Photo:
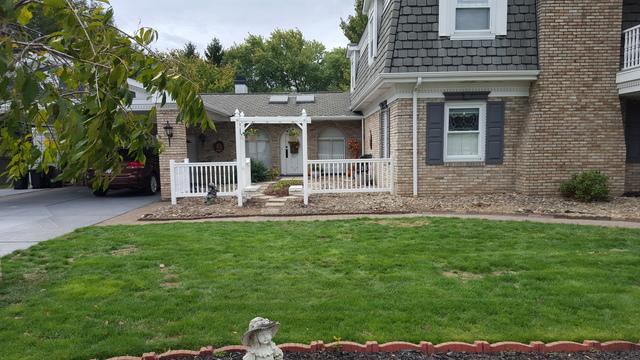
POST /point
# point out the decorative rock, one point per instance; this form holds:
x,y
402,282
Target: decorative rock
x,y
258,340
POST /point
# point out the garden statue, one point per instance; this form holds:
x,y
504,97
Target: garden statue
x,y
212,194
257,339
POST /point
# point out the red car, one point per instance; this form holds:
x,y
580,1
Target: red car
x,y
134,175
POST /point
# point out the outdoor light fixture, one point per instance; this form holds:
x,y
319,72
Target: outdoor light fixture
x,y
168,130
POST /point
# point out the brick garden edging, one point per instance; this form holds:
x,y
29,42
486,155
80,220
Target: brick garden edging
x,y
425,347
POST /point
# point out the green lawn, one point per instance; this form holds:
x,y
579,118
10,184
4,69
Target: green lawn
x,y
102,292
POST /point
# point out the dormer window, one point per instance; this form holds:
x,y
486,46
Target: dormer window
x,y
373,8
473,19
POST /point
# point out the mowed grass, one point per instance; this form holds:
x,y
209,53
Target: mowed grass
x,y
101,292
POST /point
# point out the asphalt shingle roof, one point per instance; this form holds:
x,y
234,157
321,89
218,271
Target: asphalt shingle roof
x,y
326,104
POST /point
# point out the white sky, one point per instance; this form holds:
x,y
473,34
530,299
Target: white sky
x,y
198,21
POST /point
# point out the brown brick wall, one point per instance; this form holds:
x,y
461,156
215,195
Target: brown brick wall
x,y
372,134
177,151
452,178
575,122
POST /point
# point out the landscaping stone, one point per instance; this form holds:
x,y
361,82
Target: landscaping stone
x,y
411,355
620,208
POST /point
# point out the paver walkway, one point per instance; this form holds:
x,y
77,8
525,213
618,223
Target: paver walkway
x,y
271,204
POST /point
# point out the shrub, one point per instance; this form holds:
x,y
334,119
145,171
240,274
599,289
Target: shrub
x,y
587,186
259,172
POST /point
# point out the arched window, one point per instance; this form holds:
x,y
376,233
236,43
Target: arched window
x,y
331,144
258,148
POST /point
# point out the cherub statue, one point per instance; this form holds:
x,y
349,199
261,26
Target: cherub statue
x,y
258,338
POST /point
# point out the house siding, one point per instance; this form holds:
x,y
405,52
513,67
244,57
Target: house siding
x,y
418,47
176,151
452,178
575,122
630,14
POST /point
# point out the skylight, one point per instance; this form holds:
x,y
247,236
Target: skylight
x,y
302,99
279,99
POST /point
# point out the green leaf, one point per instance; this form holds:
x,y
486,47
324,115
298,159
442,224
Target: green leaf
x,y
24,15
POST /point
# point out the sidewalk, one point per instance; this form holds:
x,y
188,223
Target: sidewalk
x,y
11,192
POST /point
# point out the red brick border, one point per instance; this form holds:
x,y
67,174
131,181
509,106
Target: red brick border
x,y
425,347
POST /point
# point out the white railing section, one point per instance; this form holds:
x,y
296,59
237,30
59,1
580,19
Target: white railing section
x,y
193,179
631,48
350,176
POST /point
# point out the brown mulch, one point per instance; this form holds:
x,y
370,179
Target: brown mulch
x,y
410,355
621,208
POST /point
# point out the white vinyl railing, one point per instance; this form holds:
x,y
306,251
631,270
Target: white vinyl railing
x,y
631,48
350,176
193,179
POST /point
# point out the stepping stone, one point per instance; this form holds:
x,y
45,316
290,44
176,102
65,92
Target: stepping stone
x,y
270,211
278,200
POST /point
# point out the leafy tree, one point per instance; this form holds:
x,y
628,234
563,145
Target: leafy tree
x,y
336,70
287,62
353,27
190,50
71,80
209,77
214,52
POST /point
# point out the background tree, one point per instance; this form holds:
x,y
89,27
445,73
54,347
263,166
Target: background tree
x,y
353,27
70,79
336,70
214,52
190,50
287,62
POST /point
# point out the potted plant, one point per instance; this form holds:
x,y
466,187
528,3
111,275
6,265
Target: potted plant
x,y
294,142
293,133
251,134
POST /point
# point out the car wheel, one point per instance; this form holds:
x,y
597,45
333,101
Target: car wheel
x,y
100,192
153,185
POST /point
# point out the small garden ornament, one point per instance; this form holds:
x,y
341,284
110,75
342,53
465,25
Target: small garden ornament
x,y
258,338
212,194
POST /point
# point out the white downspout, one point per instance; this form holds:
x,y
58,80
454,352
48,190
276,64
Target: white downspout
x,y
415,136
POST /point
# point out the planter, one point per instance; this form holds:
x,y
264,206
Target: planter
x,y
38,179
22,183
294,146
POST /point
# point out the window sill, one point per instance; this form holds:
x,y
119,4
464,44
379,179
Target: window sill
x,y
487,36
468,163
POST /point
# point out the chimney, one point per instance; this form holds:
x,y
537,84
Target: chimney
x,y
241,85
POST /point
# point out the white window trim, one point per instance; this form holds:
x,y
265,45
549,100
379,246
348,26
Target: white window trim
x,y
482,131
498,21
372,33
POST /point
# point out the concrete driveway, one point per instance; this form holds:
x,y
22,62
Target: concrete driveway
x,y
28,219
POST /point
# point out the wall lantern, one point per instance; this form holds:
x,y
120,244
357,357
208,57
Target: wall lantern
x,y
168,130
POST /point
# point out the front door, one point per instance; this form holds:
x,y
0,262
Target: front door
x,y
291,154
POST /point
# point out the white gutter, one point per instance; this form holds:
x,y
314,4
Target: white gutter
x,y
337,118
415,136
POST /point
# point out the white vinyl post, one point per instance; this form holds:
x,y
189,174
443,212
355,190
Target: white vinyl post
x,y
240,158
172,178
305,159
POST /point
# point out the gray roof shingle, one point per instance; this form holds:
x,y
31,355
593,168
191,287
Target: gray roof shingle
x,y
326,104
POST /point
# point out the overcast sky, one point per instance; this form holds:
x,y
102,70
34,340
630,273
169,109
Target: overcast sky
x,y
198,21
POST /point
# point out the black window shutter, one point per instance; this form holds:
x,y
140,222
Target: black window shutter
x,y
435,134
632,133
495,133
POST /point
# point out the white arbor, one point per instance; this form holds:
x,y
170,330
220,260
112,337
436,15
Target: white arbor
x,y
244,122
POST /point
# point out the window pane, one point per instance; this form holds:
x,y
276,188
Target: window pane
x,y
472,19
463,144
464,119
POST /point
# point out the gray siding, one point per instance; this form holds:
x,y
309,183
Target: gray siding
x,y
386,39
418,47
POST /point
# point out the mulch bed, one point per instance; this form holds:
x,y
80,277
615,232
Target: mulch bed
x,y
620,208
411,355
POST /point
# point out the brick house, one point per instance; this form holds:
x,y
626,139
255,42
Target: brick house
x,y
481,96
